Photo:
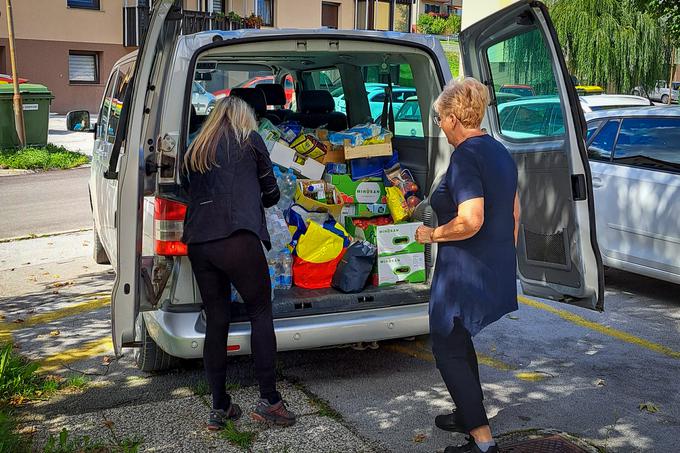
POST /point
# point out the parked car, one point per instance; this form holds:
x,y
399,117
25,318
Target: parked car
x,y
257,80
660,92
635,161
376,98
139,203
612,101
5,78
202,101
521,90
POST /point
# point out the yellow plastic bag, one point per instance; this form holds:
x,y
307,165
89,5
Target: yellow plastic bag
x,y
319,245
397,204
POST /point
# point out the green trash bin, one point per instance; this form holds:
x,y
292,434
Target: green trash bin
x,y
36,103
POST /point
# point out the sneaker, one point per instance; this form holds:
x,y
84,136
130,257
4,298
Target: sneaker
x,y
470,447
218,418
274,413
449,422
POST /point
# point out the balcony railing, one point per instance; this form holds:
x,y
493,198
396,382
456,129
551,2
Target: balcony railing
x,y
136,23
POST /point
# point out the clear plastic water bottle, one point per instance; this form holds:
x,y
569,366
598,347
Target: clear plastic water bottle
x,y
286,181
286,269
271,262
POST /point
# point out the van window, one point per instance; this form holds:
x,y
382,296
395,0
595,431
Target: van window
x,y
523,60
105,110
216,80
649,143
123,78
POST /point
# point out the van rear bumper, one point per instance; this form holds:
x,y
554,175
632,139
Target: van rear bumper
x,y
176,333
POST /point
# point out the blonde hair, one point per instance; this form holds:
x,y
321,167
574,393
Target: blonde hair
x,y
466,99
230,112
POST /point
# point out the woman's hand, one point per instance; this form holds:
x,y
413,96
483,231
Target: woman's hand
x,y
424,234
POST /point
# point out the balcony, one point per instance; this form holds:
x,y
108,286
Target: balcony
x,y
136,23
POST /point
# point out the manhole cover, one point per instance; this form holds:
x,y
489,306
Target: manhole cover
x,y
551,444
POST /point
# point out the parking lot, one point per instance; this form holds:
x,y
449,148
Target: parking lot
x,y
608,378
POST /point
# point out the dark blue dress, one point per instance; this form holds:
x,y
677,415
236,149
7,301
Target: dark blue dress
x,y
475,279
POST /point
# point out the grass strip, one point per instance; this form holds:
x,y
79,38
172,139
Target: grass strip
x,y
47,157
242,439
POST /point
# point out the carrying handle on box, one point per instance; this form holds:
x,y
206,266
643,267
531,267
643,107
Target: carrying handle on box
x,y
400,240
402,270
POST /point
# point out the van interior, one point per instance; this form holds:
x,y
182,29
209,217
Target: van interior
x,y
330,88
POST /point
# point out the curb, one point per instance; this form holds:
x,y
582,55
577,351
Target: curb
x,y
6,172
43,235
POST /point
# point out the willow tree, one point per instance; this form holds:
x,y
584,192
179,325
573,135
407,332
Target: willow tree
x,y
611,43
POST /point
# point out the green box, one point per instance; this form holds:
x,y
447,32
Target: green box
x,y
362,210
365,191
406,267
391,239
36,100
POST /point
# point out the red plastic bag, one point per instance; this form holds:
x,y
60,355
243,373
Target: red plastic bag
x,y
314,275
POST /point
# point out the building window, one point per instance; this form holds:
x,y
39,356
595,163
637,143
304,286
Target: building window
x,y
85,4
265,9
83,67
432,9
218,6
329,15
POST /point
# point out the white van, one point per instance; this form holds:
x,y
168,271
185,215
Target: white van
x,y
146,118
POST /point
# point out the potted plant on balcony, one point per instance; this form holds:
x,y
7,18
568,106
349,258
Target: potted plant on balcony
x,y
235,21
253,21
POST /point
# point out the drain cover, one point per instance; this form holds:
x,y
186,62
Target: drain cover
x,y
550,444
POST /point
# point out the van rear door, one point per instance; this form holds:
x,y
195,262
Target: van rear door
x,y
557,253
134,144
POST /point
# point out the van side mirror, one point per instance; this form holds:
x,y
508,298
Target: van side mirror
x,y
78,121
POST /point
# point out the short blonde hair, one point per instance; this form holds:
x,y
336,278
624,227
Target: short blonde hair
x,y
466,99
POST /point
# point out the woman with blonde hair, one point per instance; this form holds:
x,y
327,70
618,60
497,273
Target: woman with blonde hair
x,y
229,179
475,276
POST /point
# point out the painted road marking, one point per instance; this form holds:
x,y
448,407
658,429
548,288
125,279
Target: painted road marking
x,y
609,331
86,351
59,313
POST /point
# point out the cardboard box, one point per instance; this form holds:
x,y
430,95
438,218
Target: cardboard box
x,y
333,154
398,238
358,152
408,267
366,191
362,211
307,167
313,205
390,239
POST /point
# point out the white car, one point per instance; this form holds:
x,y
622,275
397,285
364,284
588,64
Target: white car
x,y
612,101
635,162
660,91
139,203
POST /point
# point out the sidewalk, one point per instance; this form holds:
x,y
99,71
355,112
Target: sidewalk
x,y
81,142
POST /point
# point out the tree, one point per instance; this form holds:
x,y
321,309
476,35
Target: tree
x,y
436,24
612,43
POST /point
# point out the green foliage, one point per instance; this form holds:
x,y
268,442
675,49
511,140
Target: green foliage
x,y
454,62
241,439
10,441
65,443
453,24
17,376
431,24
76,382
42,158
611,43
668,12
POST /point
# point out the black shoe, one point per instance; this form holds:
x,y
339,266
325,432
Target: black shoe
x,y
470,447
449,422
218,418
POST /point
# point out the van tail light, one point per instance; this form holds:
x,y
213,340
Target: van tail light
x,y
168,226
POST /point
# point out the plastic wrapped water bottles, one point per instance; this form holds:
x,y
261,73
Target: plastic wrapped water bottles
x,y
278,230
285,269
286,181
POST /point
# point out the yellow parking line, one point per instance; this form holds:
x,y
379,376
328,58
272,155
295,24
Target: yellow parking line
x,y
86,351
614,333
54,315
424,354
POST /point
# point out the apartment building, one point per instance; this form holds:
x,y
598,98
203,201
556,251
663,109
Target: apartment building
x,y
71,45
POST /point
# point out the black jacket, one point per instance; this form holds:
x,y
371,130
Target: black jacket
x,y
232,195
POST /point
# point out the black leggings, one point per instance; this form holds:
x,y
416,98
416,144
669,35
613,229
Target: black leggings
x,y
457,362
238,260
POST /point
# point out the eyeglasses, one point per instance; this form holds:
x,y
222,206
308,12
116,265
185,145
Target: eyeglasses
x,y
437,120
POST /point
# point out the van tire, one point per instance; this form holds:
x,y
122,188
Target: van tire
x,y
98,252
664,99
149,357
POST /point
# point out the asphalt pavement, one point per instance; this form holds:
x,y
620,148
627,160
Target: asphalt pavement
x,y
47,202
609,378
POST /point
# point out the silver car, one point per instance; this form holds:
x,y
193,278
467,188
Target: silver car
x,y
139,205
635,160
202,100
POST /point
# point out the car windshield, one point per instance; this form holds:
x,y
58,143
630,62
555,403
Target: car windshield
x,y
410,111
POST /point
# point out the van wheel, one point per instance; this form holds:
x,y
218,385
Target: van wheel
x,y
98,252
149,356
664,99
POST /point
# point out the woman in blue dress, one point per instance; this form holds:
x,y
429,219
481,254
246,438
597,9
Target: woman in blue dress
x,y
474,283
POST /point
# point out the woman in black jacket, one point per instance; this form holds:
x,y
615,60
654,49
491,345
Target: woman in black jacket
x,y
230,181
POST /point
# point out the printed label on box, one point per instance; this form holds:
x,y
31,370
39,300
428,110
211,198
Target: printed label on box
x,y
399,238
409,267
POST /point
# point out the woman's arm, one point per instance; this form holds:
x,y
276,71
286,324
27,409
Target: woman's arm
x,y
516,215
265,173
466,224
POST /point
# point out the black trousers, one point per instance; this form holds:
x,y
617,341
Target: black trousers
x,y
238,260
457,362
